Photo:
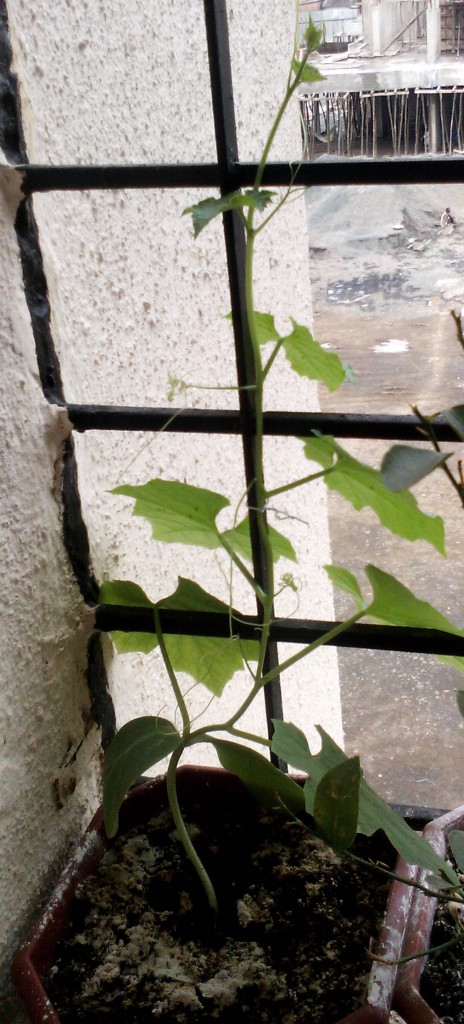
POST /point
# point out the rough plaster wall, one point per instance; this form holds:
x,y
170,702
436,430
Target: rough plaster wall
x,y
44,705
135,300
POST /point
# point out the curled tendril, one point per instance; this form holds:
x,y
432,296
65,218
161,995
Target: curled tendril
x,y
288,580
177,386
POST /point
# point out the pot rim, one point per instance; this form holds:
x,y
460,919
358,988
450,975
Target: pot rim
x,y
408,999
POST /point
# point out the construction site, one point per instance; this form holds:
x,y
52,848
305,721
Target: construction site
x,y
393,79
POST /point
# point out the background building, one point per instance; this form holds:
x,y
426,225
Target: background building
x,y
393,83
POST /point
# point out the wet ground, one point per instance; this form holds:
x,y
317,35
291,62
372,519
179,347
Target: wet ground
x,y
384,278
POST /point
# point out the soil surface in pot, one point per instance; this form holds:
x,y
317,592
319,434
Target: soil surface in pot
x,y
290,946
442,982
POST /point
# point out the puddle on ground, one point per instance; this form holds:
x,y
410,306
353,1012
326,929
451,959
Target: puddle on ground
x,y
369,288
392,345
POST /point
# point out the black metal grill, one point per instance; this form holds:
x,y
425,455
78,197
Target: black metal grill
x,y
227,174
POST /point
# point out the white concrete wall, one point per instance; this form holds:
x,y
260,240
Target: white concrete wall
x,y
133,299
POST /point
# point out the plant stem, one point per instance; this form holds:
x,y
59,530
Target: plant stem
x,y
437,894
299,483
291,88
249,736
267,585
272,357
428,428
172,676
433,951
182,831
242,568
324,639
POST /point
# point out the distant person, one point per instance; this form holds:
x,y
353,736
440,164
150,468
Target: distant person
x,y
446,218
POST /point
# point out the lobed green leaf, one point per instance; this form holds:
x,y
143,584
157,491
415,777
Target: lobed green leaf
x,y
178,513
313,36
362,486
266,329
210,660
123,592
267,785
306,74
344,580
290,744
309,359
395,604
207,209
374,813
138,746
239,538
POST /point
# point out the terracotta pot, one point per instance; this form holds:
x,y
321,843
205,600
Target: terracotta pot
x,y
36,956
408,999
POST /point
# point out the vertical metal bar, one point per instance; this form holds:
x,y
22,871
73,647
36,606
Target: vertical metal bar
x,y
227,151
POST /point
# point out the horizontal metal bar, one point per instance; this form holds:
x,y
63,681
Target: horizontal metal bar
x,y
330,171
295,631
276,424
367,171
74,178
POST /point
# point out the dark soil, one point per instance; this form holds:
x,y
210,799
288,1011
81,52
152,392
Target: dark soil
x,y
144,949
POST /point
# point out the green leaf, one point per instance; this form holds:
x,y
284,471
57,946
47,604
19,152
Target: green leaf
x,y
269,786
290,744
456,842
138,746
402,466
239,538
210,660
220,656
306,74
362,486
460,701
178,513
320,449
395,604
309,359
374,813
205,211
265,328
123,592
455,418
344,580
313,36
336,804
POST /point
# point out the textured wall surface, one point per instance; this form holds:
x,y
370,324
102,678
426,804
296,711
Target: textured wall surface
x,y
47,740
134,302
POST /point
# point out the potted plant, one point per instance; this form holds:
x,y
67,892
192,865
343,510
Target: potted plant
x,y
34,971
333,804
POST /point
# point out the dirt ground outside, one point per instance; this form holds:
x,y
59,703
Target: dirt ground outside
x,y
384,278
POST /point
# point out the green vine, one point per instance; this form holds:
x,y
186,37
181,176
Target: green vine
x,y
335,794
